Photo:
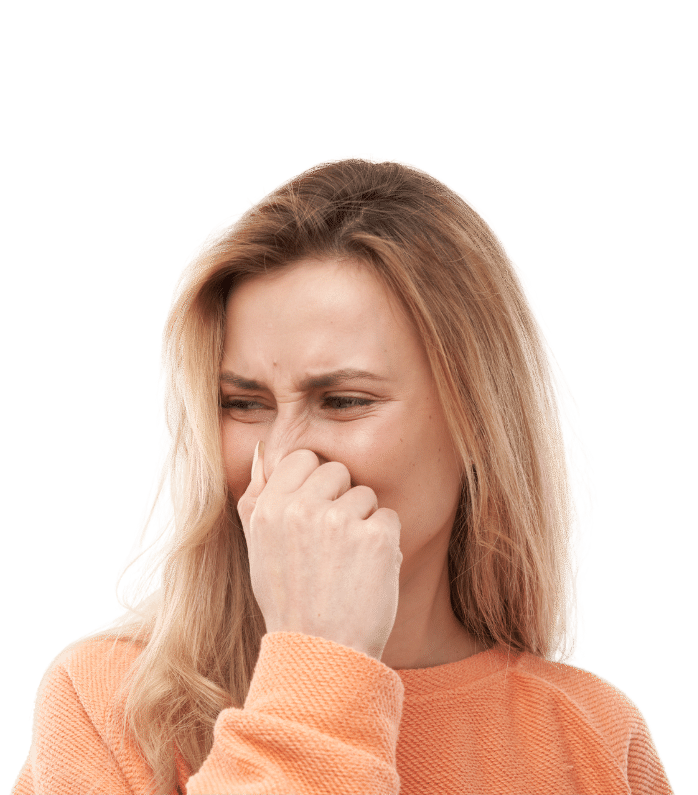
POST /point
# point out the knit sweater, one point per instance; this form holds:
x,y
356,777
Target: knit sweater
x,y
323,718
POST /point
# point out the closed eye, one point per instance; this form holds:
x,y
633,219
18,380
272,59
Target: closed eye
x,y
354,402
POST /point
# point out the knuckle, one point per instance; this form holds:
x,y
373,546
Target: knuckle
x,y
392,515
304,454
262,513
335,517
385,517
298,512
367,491
337,467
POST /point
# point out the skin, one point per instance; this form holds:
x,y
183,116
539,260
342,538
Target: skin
x,y
325,315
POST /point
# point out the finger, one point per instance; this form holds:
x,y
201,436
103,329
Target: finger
x,y
329,481
293,471
360,501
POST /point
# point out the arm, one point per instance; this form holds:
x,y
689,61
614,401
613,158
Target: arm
x,y
319,718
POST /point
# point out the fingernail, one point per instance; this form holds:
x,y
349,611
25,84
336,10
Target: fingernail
x,y
254,459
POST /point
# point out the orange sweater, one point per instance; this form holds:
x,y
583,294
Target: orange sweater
x,y
323,718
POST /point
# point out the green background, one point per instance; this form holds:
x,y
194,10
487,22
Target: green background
x,y
131,129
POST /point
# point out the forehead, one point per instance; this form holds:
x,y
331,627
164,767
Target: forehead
x,y
317,289
321,311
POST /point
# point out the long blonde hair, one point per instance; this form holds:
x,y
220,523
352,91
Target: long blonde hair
x,y
510,550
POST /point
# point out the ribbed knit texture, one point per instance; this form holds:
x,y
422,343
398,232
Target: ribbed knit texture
x,y
322,718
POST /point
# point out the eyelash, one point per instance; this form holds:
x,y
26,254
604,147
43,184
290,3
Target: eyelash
x,y
358,403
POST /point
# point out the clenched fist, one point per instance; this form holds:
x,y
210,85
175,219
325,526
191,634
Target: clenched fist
x,y
324,558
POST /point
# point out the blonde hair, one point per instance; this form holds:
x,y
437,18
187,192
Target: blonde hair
x,y
509,555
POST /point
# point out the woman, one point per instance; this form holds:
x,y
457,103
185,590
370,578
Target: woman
x,y
372,529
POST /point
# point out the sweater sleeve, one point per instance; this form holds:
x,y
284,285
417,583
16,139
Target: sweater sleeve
x,y
319,718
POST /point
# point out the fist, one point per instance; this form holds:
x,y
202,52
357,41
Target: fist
x,y
324,558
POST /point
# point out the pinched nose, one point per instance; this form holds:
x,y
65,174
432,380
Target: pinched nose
x,y
272,458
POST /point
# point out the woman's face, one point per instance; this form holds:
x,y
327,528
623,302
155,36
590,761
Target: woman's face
x,y
319,317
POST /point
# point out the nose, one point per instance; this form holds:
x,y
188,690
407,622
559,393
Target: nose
x,y
283,438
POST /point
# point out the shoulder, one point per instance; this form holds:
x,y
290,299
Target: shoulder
x,y
584,695
89,674
568,722
108,657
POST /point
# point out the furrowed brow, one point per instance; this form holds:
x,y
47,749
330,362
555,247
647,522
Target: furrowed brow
x,y
313,382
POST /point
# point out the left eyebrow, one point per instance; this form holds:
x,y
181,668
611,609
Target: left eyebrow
x,y
312,382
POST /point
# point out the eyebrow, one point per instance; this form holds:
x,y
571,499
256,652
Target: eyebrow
x,y
313,382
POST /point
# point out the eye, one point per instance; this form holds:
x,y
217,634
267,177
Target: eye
x,y
338,403
358,402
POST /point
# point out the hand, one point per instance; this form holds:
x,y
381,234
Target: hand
x,y
324,558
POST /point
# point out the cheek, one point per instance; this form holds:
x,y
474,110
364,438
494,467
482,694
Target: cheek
x,y
237,466
385,464
418,477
